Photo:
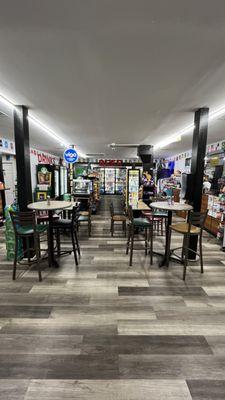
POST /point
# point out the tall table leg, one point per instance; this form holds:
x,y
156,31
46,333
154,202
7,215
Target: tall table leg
x,y
53,262
169,221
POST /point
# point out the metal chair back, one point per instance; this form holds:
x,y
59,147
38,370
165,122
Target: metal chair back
x,y
111,207
23,219
197,219
75,215
130,214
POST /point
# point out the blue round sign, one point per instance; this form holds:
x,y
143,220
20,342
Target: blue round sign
x,y
70,156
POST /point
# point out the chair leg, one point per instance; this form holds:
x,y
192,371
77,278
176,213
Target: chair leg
x,y
125,228
112,228
128,240
15,258
131,247
161,222
151,245
183,248
37,252
89,228
146,241
200,253
77,242
74,247
186,243
28,249
58,244
49,253
168,249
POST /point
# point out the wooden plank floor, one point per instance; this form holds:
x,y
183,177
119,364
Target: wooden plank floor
x,y
112,332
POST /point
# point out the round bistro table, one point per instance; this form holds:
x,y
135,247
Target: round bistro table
x,y
163,205
50,208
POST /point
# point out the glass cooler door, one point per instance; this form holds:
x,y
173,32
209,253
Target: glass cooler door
x,y
110,180
120,180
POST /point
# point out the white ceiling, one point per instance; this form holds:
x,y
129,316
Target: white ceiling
x,y
103,71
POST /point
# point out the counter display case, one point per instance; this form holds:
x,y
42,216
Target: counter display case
x,y
82,186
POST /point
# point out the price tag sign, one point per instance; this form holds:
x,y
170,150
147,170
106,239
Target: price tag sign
x,y
70,156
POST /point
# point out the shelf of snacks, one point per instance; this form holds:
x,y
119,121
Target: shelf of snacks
x,y
213,220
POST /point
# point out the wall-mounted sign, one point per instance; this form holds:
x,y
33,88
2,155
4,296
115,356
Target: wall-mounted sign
x,y
110,163
70,156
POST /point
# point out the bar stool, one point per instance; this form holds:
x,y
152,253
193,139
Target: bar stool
x,y
117,218
141,223
160,216
193,227
25,228
85,218
63,225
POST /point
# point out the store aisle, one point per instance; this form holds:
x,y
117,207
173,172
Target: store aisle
x,y
113,332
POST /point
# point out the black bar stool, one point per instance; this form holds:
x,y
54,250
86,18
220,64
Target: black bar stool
x,y
70,225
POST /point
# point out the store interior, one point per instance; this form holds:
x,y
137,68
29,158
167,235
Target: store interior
x,y
112,200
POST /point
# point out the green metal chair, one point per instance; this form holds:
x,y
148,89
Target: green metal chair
x,y
142,224
26,229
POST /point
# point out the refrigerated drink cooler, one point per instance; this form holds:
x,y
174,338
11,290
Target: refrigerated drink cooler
x,y
112,180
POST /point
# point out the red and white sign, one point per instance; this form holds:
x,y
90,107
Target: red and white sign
x,y
44,158
110,163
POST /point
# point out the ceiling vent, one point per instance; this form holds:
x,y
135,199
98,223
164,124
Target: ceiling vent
x,y
95,154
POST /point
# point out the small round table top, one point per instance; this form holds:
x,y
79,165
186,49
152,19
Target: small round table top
x,y
163,205
54,205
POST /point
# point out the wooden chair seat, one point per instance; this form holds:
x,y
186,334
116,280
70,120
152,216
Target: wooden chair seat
x,y
120,218
84,213
182,227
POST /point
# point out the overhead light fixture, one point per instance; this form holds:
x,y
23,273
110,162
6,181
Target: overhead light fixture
x,y
177,137
54,135
217,113
40,125
6,102
115,145
50,132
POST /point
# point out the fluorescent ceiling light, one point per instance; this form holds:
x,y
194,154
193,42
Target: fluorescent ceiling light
x,y
217,113
177,137
39,125
6,102
114,145
50,132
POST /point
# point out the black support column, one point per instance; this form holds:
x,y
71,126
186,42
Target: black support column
x,y
21,132
3,181
197,163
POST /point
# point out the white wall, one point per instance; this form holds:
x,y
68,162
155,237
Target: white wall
x,y
180,158
9,161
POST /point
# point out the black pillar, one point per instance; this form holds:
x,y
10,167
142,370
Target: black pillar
x,y
22,143
197,163
2,192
